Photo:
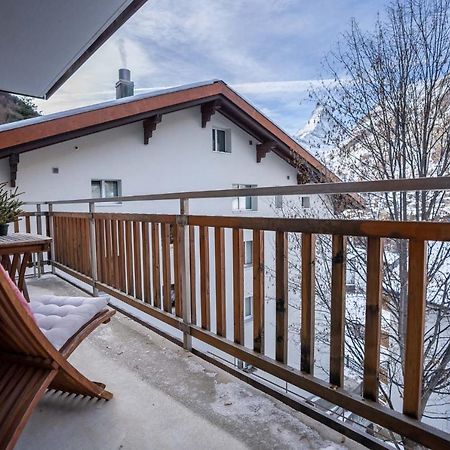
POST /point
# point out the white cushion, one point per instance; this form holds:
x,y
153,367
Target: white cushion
x,y
59,318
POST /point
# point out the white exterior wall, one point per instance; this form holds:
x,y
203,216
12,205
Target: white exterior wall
x,y
179,157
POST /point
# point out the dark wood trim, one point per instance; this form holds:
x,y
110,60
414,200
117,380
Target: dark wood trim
x,y
13,164
208,110
150,125
85,131
263,149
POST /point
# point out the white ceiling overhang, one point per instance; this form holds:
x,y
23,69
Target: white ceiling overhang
x,y
43,42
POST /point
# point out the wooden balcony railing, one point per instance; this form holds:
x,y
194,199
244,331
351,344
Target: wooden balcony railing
x,y
150,261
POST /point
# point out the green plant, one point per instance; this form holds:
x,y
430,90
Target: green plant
x,y
10,204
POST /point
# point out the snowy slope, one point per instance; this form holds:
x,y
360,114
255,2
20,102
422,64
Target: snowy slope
x,y
317,137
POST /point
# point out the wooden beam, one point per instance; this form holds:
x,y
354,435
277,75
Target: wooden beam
x,y
208,110
415,327
264,148
308,255
13,163
150,126
281,289
373,318
337,328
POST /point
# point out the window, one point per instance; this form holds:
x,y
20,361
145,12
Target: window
x,y
106,188
221,140
248,253
248,307
278,201
244,203
306,202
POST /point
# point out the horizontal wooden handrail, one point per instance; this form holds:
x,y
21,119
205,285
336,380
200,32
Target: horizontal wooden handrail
x,y
357,187
432,231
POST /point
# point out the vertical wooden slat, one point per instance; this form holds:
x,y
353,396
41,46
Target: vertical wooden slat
x,y
337,311
47,230
16,226
27,224
308,303
146,263
238,285
84,246
122,261
415,324
258,291
165,245
219,257
65,248
109,257
72,242
192,277
156,266
281,281
98,239
115,254
204,278
373,318
177,272
82,243
137,260
129,264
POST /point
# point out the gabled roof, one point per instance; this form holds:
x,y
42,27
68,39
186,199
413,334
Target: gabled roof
x,y
212,95
34,133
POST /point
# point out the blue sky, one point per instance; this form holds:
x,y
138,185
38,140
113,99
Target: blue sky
x,y
270,51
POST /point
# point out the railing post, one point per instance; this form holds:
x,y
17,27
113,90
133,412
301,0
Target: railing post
x,y
39,232
185,273
93,248
52,235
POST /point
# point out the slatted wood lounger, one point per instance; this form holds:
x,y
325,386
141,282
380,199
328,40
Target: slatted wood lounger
x,y
30,364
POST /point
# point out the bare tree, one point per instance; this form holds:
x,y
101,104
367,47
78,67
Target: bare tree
x,y
390,110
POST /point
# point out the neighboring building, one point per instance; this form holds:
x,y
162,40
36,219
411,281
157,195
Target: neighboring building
x,y
196,137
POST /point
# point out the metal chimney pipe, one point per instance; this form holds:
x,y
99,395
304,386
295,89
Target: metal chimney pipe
x,y
124,87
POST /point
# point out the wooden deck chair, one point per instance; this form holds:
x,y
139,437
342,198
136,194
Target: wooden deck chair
x,y
30,364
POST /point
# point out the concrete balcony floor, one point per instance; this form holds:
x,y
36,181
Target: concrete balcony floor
x,y
164,398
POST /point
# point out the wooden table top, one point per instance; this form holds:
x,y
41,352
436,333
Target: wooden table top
x,y
16,240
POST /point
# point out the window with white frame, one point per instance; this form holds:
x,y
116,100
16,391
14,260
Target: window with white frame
x,y
106,188
248,253
306,202
221,140
244,203
248,307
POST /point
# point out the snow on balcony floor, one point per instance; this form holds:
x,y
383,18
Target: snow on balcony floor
x,y
164,398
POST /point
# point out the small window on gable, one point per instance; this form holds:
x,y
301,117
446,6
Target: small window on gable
x,y
106,188
247,203
306,202
221,140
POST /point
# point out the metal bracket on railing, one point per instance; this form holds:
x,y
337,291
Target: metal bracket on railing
x,y
185,328
181,220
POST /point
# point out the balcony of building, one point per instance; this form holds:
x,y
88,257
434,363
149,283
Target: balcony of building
x,y
179,351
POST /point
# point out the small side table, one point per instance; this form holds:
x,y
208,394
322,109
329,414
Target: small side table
x,y
16,252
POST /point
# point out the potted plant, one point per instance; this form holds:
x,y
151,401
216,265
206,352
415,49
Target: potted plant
x,y
9,207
